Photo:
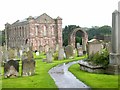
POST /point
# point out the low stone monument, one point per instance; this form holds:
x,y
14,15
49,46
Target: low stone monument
x,y
28,65
94,46
11,69
69,51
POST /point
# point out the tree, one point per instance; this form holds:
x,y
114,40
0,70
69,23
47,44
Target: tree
x,y
94,31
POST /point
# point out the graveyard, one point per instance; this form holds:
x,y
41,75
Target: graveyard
x,y
91,63
41,79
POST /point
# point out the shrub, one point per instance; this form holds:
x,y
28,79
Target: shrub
x,y
100,58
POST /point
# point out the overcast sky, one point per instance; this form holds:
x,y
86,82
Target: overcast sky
x,y
85,13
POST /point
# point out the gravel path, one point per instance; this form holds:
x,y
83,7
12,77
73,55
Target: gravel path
x,y
65,79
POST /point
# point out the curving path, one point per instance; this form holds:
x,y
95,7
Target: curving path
x,y
65,79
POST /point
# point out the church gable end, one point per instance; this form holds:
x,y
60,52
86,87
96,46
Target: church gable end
x,y
44,18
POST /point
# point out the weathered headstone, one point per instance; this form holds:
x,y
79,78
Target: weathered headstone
x,y
75,52
69,51
61,54
46,48
78,45
80,51
11,69
41,49
57,47
16,53
11,54
28,65
49,57
24,56
21,52
94,46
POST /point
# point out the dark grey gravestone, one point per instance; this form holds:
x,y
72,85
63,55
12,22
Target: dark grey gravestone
x,y
11,69
69,51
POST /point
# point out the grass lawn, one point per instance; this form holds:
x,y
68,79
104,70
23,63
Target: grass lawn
x,y
41,79
95,80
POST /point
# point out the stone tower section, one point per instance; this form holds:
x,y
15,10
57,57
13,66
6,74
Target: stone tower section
x,y
59,31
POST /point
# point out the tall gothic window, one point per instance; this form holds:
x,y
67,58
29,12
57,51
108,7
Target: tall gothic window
x,y
45,31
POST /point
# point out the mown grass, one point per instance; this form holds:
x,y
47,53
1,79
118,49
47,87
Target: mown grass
x,y
41,79
95,80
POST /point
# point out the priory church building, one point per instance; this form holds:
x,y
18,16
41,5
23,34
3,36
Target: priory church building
x,y
42,32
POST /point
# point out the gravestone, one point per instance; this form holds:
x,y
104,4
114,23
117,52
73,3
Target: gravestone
x,y
11,69
114,66
20,52
69,51
11,54
16,53
78,45
80,51
94,46
41,49
49,57
57,47
24,56
61,54
28,65
46,48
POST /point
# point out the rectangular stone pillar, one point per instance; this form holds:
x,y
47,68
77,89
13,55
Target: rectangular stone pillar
x,y
114,56
114,66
